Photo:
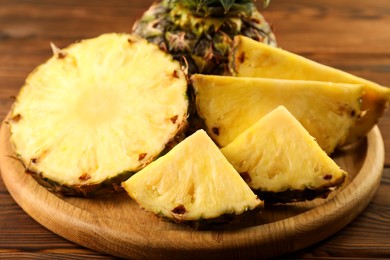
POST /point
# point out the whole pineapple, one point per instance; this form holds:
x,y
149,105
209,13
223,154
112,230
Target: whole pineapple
x,y
199,32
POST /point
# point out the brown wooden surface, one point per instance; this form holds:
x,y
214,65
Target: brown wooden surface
x,y
116,225
353,35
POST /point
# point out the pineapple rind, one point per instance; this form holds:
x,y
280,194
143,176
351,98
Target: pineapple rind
x,y
253,59
292,195
277,156
94,111
108,186
193,175
230,105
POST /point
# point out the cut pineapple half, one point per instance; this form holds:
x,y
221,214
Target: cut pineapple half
x,y
193,182
250,58
98,110
230,105
281,161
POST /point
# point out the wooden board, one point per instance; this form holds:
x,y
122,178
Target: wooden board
x,y
117,226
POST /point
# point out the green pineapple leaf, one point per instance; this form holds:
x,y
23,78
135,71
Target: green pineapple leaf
x,y
266,3
227,4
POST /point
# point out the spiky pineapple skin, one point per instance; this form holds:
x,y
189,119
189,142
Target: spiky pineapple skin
x,y
202,43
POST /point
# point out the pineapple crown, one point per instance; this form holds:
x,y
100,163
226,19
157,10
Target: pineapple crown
x,y
217,8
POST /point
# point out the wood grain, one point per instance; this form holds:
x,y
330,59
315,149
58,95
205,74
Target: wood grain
x,y
117,226
352,35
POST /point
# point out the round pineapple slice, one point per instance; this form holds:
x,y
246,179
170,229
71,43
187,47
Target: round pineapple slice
x,y
98,111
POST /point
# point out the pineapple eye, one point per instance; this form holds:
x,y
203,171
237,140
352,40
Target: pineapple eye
x,y
215,130
241,58
84,177
246,176
142,156
174,119
328,177
179,210
61,55
129,40
175,74
16,118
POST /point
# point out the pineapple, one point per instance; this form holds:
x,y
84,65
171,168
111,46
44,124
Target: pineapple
x,y
279,159
96,112
193,183
202,31
253,59
229,105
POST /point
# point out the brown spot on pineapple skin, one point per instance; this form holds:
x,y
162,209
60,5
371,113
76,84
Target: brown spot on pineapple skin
x,y
215,130
179,209
142,156
174,119
85,177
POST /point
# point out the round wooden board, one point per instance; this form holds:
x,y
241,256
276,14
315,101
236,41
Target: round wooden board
x,y
117,226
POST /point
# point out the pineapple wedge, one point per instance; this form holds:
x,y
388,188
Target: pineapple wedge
x,y
250,58
279,159
230,105
96,112
192,183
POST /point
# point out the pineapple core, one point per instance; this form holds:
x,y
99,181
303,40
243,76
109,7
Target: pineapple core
x,y
98,109
193,181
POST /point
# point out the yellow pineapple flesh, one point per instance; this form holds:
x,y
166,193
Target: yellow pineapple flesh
x,y
253,59
97,110
193,182
281,161
230,105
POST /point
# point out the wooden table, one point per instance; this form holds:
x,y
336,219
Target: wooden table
x,y
353,35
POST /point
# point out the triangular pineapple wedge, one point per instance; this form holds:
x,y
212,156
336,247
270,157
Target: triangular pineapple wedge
x,y
230,105
250,58
192,183
96,112
281,161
